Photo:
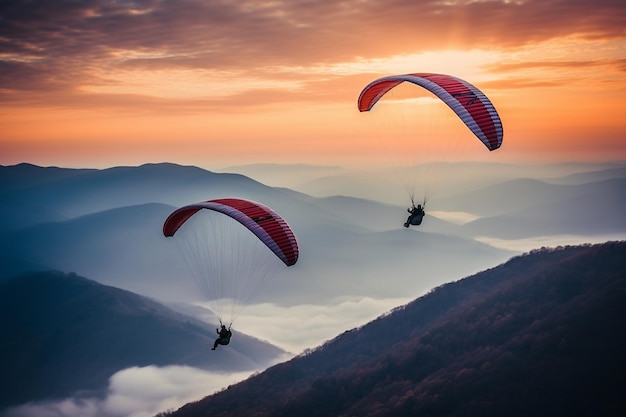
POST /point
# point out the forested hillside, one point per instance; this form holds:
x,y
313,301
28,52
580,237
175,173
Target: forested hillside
x,y
542,334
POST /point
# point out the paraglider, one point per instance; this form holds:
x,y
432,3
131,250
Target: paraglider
x,y
223,338
232,246
468,103
416,216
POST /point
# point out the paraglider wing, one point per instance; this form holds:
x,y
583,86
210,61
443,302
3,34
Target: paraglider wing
x,y
261,220
467,101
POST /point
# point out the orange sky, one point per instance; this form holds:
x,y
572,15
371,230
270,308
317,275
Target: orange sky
x,y
216,83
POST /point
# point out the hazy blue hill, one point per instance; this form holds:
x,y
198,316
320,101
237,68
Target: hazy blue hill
x,y
20,194
619,171
541,335
588,209
52,194
283,175
379,216
388,184
61,333
397,262
507,197
124,247
116,244
28,176
523,194
373,186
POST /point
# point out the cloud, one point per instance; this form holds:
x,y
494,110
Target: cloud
x,y
68,45
225,34
296,328
457,217
136,392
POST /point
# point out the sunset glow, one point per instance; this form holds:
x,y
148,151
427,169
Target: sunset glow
x,y
215,84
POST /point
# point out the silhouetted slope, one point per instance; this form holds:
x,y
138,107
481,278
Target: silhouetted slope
x,y
541,335
61,333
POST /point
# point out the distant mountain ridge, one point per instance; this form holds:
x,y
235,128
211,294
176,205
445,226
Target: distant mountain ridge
x,y
106,225
61,333
549,209
541,335
67,193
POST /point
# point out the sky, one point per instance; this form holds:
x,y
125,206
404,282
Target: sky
x,y
97,83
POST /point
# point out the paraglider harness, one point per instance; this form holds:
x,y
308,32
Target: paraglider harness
x,y
417,213
224,335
